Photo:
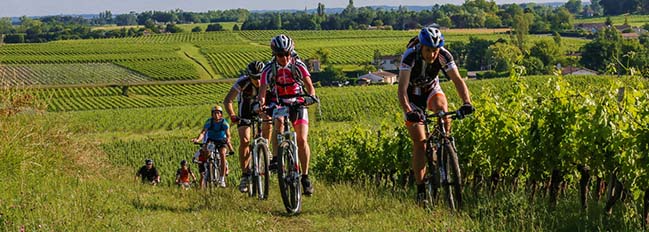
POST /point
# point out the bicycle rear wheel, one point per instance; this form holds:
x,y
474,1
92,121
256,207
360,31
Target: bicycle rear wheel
x,y
261,176
453,181
288,176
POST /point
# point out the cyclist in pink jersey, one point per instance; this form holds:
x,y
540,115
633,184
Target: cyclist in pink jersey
x,y
289,79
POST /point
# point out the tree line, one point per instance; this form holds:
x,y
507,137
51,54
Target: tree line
x,y
471,14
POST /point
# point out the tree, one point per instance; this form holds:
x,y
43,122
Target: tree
x,y
522,28
548,52
601,51
608,22
492,21
561,20
574,6
477,53
173,28
126,19
557,38
350,9
331,74
323,55
596,7
5,25
321,10
502,56
235,27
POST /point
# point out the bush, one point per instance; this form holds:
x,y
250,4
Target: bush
x,y
214,27
14,38
197,29
172,28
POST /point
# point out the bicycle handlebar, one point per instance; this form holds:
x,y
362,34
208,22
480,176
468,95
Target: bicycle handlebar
x,y
441,114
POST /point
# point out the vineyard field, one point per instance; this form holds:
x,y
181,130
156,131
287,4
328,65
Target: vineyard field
x,y
161,57
59,74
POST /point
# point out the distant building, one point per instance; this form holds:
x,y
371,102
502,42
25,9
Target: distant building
x,y
577,71
378,77
314,65
388,62
630,35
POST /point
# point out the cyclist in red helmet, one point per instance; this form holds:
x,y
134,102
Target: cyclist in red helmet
x,y
419,90
288,78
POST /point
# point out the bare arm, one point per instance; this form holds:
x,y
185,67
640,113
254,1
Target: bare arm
x,y
404,80
227,137
308,84
460,86
262,94
227,102
200,136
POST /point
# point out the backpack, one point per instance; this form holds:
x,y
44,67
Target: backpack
x,y
413,42
297,76
212,125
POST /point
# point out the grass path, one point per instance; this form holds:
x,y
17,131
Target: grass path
x,y
193,54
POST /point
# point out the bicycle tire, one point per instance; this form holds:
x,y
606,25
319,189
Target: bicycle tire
x,y
452,185
253,167
289,183
432,179
262,174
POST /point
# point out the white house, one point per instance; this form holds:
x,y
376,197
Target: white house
x,y
577,71
388,62
378,77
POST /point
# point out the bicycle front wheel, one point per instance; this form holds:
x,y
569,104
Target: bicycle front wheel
x,y
288,175
432,178
261,176
453,181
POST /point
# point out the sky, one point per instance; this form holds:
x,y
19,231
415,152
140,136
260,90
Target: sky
x,y
14,8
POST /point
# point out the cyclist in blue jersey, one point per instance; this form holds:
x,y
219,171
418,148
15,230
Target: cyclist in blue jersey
x,y
217,130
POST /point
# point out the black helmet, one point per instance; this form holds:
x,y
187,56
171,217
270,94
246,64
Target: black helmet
x,y
183,162
148,161
254,69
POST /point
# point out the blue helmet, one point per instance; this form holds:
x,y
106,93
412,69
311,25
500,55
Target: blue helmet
x,y
431,37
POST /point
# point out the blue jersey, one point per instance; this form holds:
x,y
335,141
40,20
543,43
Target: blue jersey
x,y
215,130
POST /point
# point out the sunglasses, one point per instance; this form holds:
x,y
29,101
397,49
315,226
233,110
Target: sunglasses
x,y
282,54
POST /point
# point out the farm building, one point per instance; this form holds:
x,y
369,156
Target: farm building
x,y
388,62
378,77
577,71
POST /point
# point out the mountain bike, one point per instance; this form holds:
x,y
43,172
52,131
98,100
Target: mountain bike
x,y
259,153
443,169
212,167
289,173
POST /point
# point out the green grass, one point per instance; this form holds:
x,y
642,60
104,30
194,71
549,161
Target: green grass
x,y
633,20
57,177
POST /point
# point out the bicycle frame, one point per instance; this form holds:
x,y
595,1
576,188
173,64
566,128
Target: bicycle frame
x,y
289,179
258,142
211,175
436,141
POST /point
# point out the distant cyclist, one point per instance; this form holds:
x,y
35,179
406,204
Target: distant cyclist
x,y
148,173
419,89
246,90
288,78
217,130
183,174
